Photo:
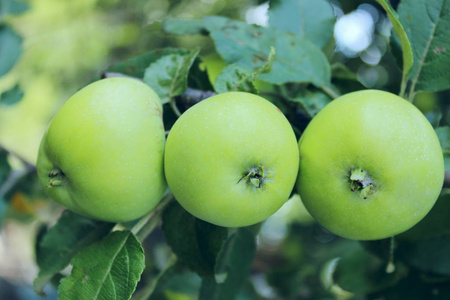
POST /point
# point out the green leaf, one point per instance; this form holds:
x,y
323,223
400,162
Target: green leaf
x,y
183,27
5,168
11,96
62,242
198,76
297,59
427,24
136,66
3,207
341,71
416,286
361,272
168,75
12,7
427,244
399,31
313,20
108,269
232,267
236,78
312,101
196,243
443,134
175,279
430,254
434,224
10,49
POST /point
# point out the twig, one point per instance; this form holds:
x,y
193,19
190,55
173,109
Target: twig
x,y
447,179
330,92
149,222
15,175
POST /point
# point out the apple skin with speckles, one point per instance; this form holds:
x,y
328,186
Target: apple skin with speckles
x,y
371,166
102,154
232,159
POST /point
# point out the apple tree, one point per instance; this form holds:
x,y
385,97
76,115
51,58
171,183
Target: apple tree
x,y
299,63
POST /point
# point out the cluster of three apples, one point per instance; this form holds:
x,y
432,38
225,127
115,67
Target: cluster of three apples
x,y
233,159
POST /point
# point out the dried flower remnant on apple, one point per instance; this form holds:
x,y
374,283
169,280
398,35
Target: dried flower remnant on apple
x,y
361,182
256,176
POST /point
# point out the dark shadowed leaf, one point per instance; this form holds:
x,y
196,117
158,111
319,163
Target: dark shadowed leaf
x,y
435,223
11,96
341,71
5,168
175,278
361,272
312,101
232,267
3,207
430,254
443,134
196,243
427,244
10,49
12,7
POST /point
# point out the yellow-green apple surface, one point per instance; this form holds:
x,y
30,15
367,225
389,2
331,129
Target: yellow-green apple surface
x,y
102,155
232,159
371,166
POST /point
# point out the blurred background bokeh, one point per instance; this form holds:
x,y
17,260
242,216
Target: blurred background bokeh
x,y
66,44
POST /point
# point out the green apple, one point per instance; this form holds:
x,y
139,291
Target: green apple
x,y
371,166
232,159
102,155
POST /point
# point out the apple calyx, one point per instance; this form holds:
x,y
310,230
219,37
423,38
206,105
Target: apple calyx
x,y
57,178
361,181
255,176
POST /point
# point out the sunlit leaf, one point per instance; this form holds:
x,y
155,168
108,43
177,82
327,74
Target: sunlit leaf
x,y
427,24
168,75
407,54
109,269
62,242
313,20
184,27
296,60
236,78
